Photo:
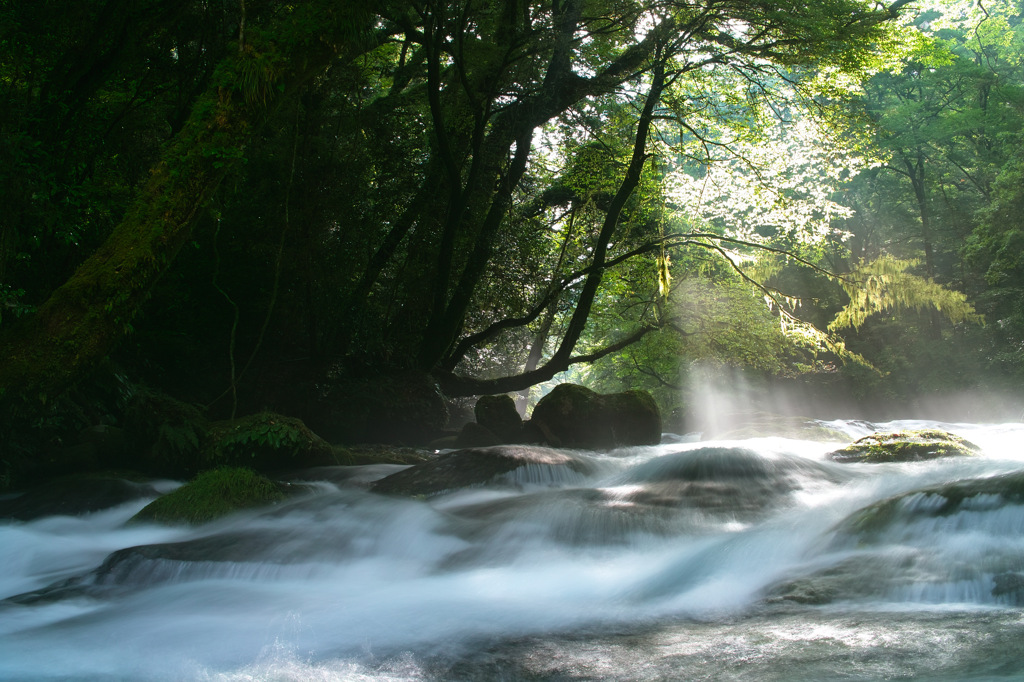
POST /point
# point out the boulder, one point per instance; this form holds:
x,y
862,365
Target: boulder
x,y
498,414
573,416
990,492
211,495
905,446
480,466
265,441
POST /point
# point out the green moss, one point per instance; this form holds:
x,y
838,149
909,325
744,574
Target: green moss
x,y
937,501
211,495
905,446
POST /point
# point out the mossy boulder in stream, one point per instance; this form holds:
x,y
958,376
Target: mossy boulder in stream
x,y
266,441
905,446
480,466
211,495
976,494
573,416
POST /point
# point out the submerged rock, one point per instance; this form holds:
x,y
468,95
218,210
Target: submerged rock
x,y
480,466
905,446
73,497
573,416
975,494
719,479
211,495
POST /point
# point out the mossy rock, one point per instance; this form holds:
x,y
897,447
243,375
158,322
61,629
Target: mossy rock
x,y
905,446
573,416
266,441
994,492
211,495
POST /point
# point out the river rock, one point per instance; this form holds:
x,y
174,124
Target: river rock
x,y
73,497
265,441
211,495
905,446
719,479
480,466
498,414
573,416
987,493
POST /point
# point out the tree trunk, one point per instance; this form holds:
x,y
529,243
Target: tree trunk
x,y
86,316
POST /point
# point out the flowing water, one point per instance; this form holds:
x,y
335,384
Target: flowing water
x,y
742,559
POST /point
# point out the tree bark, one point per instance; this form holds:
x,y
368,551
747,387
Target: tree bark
x,y
563,358
85,317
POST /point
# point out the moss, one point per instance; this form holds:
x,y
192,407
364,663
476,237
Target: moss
x,y
266,441
211,495
905,446
936,501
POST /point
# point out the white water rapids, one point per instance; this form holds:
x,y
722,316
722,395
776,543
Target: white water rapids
x,y
706,560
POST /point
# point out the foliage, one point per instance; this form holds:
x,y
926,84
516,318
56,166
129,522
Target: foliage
x,y
885,285
167,433
266,441
445,194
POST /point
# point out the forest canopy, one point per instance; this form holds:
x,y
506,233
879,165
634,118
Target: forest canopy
x,y
259,204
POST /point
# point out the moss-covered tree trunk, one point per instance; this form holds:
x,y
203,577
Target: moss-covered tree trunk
x,y
85,317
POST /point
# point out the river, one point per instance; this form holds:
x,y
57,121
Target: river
x,y
711,560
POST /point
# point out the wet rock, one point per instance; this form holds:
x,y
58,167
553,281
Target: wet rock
x,y
480,466
74,497
498,414
573,416
717,479
211,495
905,446
1009,585
862,577
977,494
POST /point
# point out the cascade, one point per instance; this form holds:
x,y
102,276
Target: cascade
x,y
675,561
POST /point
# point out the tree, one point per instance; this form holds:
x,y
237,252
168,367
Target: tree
x,y
470,84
